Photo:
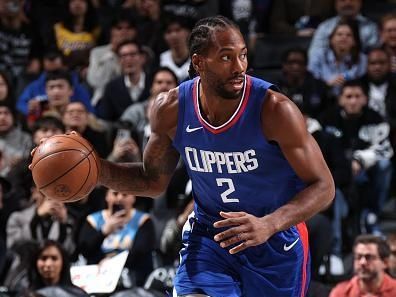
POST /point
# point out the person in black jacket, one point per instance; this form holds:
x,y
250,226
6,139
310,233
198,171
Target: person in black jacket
x,y
364,136
132,86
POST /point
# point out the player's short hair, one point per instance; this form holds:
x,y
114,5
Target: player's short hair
x,y
295,50
382,245
166,69
202,34
59,74
130,41
354,83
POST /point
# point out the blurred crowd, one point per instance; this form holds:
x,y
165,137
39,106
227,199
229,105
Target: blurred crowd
x,y
95,66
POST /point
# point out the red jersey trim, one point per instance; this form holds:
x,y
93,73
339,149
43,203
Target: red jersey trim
x,y
302,230
233,119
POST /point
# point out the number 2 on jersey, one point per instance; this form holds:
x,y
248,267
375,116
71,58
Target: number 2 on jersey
x,y
225,195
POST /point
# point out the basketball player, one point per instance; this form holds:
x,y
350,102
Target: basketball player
x,y
256,172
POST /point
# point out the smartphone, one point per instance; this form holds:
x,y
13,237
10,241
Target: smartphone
x,y
117,207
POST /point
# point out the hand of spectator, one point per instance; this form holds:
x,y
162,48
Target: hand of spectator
x,y
59,211
114,222
336,81
45,208
356,167
308,32
125,147
34,106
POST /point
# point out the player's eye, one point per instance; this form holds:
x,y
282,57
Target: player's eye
x,y
243,56
226,58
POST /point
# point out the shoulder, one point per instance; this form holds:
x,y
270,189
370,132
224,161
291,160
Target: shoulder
x,y
280,114
342,288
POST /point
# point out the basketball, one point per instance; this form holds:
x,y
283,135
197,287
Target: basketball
x,y
65,167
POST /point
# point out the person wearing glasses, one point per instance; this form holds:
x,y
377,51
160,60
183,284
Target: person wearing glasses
x,y
370,261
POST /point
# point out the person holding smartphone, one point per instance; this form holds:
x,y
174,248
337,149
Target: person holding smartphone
x,y
119,227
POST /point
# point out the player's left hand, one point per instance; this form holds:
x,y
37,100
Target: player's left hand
x,y
245,230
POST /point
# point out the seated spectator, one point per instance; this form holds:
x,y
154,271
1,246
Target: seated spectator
x,y
346,10
59,89
299,18
176,58
299,84
6,88
380,86
120,227
20,46
76,34
125,147
391,240
103,60
75,117
35,91
137,115
44,219
342,60
49,267
388,38
130,87
20,176
364,135
370,256
15,144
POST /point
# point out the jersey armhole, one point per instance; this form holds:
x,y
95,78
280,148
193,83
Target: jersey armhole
x,y
180,114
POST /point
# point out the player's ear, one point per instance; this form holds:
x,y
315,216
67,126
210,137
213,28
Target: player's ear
x,y
197,62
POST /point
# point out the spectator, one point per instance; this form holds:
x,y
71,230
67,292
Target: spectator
x,y
35,91
103,61
59,89
15,144
391,240
346,10
125,147
76,34
388,37
370,256
7,93
19,46
149,15
364,135
130,87
20,176
342,60
50,267
75,117
44,219
299,18
299,84
120,227
177,31
137,114
381,88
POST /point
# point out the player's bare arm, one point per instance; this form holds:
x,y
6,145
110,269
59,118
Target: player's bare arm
x,y
283,124
305,157
151,177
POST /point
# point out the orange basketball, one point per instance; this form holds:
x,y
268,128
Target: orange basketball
x,y
65,167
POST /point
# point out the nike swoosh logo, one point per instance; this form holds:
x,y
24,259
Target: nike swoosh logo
x,y
287,248
189,130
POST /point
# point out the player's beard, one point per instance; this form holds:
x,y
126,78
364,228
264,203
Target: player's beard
x,y
219,86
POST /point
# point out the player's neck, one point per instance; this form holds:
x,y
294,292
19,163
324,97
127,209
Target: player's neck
x,y
215,109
